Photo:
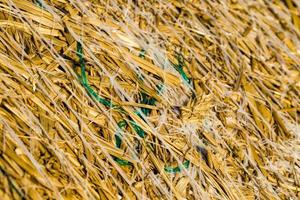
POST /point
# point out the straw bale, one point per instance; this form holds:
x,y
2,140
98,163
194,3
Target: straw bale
x,y
149,99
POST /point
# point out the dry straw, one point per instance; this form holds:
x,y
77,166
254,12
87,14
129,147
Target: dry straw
x,y
149,99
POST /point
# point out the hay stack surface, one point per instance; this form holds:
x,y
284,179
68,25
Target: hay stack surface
x,y
149,99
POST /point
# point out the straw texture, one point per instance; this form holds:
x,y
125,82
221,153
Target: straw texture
x,y
149,99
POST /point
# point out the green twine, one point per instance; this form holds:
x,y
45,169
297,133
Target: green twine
x,y
85,82
118,136
179,68
39,3
145,99
122,162
137,129
101,100
185,164
142,53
